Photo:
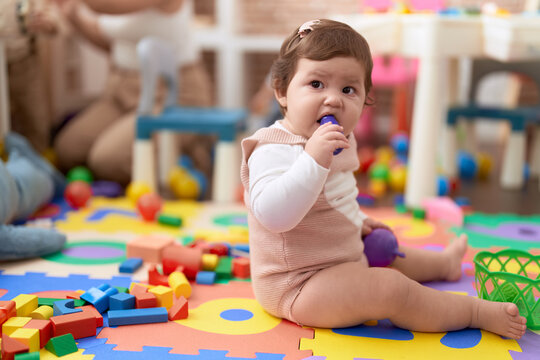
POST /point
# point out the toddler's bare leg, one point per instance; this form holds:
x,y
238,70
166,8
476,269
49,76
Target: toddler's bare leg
x,y
425,265
350,294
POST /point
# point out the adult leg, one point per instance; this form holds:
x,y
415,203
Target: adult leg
x,y
30,115
426,265
73,143
350,294
111,156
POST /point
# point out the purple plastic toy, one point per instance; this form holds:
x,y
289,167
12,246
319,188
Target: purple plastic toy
x,y
331,119
381,248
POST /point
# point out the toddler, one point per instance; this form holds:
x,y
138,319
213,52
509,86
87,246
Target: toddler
x,y
306,228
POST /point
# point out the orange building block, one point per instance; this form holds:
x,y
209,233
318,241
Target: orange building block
x,y
145,300
44,327
179,310
80,324
148,247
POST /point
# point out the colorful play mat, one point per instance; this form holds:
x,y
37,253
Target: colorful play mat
x,y
225,321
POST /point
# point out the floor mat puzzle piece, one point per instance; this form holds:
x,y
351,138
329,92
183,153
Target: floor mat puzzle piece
x,y
209,326
225,321
391,343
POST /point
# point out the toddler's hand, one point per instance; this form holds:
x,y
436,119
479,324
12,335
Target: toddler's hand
x,y
370,224
327,138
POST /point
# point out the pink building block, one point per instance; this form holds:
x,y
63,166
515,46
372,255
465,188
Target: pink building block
x,y
444,209
148,247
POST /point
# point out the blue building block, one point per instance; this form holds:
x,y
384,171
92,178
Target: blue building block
x,y
63,307
130,265
137,316
121,301
99,297
206,277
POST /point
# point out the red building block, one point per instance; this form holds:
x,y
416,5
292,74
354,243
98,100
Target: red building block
x,y
156,278
44,327
189,258
170,265
145,300
241,268
81,324
93,311
219,249
10,347
179,310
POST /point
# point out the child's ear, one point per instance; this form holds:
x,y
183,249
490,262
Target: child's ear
x,y
281,98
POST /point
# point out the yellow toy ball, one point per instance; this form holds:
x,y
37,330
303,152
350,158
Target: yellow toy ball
x,y
485,165
398,178
136,189
183,184
377,187
384,155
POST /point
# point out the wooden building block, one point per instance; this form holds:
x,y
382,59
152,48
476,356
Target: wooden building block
x,y
62,345
25,304
137,316
43,312
11,347
14,323
44,327
148,247
179,310
80,325
164,296
29,337
180,284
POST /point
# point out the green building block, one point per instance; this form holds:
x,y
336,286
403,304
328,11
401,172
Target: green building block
x,y
122,289
401,209
28,356
62,345
50,301
419,213
169,220
224,268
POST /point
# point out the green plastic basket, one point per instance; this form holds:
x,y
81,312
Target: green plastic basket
x,y
510,276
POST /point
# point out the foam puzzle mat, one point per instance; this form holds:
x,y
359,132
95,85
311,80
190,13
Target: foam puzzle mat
x,y
225,321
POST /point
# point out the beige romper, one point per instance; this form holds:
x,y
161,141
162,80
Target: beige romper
x,y
281,263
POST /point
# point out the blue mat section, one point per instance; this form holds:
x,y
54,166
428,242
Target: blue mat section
x,y
33,282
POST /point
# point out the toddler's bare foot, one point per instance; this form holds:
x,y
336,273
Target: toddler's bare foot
x,y
500,318
455,253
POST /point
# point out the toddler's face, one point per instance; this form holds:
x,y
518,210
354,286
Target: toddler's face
x,y
318,88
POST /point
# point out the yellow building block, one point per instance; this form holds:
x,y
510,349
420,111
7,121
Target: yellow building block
x,y
25,304
164,296
29,337
180,284
209,261
13,324
43,312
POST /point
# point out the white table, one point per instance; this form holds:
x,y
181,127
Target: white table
x,y
438,42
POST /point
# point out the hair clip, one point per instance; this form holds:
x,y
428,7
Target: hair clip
x,y
307,27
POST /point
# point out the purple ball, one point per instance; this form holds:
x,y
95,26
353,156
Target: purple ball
x,y
381,248
331,119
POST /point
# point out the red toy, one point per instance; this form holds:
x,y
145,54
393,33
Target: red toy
x,y
77,194
149,205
